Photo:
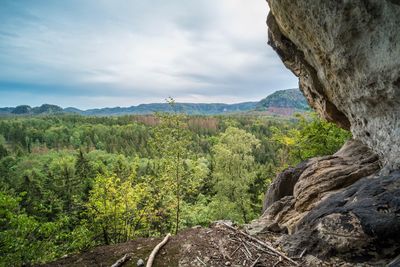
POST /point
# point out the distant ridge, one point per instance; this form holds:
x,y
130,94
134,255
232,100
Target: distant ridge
x,y
283,102
28,110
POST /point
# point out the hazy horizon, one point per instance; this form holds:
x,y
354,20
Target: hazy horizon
x,y
149,103
92,54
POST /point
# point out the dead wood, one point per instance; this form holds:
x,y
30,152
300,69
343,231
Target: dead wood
x,y
155,251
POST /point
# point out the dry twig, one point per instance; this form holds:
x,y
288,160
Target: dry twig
x,y
233,253
122,260
302,253
155,251
256,261
248,251
279,261
201,261
244,252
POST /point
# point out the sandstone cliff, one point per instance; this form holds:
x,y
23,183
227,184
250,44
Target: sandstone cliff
x,y
347,57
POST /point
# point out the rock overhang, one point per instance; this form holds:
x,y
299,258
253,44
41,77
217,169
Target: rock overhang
x,y
347,57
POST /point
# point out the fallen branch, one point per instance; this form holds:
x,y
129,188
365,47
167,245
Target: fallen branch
x,y
248,251
262,244
302,253
122,260
236,250
276,263
256,261
201,261
155,251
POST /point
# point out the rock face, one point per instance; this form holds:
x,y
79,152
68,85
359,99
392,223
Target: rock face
x,y
284,184
296,191
346,54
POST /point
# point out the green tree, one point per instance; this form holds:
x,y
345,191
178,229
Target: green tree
x,y
67,183
233,174
23,239
84,172
119,210
3,149
171,144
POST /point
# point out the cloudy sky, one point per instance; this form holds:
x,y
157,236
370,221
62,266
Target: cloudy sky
x,y
96,53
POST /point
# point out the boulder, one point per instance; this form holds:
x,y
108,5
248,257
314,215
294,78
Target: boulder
x,y
283,184
361,223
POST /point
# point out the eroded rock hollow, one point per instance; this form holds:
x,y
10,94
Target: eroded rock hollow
x,y
346,54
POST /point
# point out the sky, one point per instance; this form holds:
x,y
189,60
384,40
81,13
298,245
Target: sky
x,y
98,53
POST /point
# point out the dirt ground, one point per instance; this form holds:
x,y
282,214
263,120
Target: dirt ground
x,y
219,245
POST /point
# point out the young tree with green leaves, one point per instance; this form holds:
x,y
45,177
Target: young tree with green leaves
x,y
171,145
234,172
120,209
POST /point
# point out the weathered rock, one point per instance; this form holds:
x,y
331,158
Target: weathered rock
x,y
347,56
283,185
332,173
361,223
310,183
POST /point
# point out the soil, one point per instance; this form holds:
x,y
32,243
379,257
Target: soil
x,y
218,245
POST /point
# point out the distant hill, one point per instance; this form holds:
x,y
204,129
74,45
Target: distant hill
x,y
28,110
47,109
284,102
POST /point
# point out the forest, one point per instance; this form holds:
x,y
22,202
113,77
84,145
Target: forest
x,y
69,182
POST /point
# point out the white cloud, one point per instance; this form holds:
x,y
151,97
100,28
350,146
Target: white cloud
x,y
136,50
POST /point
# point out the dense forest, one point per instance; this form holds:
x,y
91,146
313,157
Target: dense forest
x,y
69,182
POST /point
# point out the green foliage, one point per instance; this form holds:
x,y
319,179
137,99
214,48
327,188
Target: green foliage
x,y
24,239
3,149
119,210
171,142
311,138
233,174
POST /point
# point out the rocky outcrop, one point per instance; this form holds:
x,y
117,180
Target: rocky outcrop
x,y
361,223
347,56
284,184
296,191
337,205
